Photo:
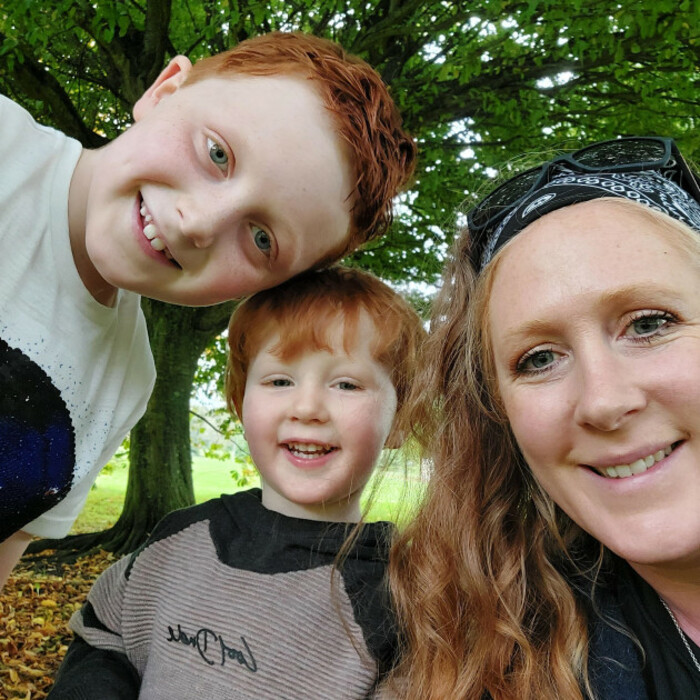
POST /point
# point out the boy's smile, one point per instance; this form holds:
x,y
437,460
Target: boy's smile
x,y
317,423
220,188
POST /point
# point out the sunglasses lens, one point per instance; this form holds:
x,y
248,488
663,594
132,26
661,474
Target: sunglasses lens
x,y
503,197
622,152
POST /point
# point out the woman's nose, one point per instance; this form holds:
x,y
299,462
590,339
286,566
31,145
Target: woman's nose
x,y
608,391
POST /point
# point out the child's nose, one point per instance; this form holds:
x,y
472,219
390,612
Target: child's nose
x,y
203,220
308,406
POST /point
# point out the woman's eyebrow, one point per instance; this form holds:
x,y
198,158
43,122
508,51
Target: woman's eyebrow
x,y
636,294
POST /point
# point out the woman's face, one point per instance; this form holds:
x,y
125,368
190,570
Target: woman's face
x,y
595,326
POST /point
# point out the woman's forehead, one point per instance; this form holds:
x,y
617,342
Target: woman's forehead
x,y
584,252
597,227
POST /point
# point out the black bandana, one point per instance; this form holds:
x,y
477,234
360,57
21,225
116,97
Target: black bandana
x,y
648,187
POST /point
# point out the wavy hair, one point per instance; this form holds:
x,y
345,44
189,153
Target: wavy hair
x,y
480,580
368,123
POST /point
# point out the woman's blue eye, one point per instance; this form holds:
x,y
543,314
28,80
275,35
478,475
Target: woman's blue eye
x,y
217,153
262,239
648,324
538,360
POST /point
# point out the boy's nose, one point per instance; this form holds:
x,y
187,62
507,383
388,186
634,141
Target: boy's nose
x,y
308,406
203,221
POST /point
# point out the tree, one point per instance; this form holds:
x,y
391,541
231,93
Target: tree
x,y
476,84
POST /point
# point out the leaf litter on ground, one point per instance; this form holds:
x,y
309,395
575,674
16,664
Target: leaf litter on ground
x,y
35,606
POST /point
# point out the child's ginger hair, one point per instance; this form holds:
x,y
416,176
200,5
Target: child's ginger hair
x,y
301,311
381,153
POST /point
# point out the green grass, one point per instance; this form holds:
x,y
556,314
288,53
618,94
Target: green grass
x,y
394,500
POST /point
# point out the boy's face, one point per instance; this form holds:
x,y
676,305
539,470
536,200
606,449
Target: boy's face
x,y
316,424
220,189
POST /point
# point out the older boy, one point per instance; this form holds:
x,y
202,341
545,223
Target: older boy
x,y
271,594
220,188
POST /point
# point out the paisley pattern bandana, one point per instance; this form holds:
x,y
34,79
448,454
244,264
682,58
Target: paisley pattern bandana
x,y
568,187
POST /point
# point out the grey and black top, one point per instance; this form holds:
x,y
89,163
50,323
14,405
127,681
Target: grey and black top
x,y
230,600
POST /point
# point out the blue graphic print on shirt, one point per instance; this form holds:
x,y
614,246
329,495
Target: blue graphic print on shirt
x,y
37,442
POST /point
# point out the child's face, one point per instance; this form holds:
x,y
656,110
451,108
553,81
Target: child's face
x,y
316,425
220,188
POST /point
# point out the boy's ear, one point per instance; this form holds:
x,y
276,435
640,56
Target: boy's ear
x,y
169,80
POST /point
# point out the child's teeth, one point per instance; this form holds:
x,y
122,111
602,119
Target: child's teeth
x,y
157,244
150,231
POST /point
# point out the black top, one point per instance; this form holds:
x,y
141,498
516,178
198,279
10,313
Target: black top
x,y
668,671
230,600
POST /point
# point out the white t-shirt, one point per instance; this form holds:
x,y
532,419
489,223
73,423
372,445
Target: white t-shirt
x,y
75,375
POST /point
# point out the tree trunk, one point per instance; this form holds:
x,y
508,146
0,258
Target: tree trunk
x,y
160,460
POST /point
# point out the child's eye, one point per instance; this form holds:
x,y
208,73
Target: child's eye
x,y
262,239
217,154
649,324
280,382
348,386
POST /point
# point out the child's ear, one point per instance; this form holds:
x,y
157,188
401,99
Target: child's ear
x,y
169,80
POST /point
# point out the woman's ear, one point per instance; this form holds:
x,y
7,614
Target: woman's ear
x,y
169,80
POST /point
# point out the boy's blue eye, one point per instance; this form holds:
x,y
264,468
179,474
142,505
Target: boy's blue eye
x,y
262,239
217,153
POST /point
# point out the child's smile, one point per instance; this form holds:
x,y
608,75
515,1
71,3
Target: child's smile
x,y
226,184
310,454
316,423
151,232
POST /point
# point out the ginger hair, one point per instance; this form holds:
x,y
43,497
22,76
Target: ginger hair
x,y
483,600
381,153
300,314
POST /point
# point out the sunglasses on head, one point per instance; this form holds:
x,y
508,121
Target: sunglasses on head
x,y
629,154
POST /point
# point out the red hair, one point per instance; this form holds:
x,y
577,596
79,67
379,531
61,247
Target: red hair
x,y
302,310
381,153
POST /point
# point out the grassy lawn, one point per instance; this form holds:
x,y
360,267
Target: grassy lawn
x,y
394,499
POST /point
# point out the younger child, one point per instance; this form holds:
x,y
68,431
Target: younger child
x,y
236,598
238,173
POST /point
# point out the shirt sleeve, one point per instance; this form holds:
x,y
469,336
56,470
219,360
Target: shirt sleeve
x,y
88,673
97,662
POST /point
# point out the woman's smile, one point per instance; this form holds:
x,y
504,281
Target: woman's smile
x,y
597,370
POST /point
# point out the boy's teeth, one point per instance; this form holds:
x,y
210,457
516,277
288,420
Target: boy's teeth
x,y
145,213
150,231
149,228
639,466
305,449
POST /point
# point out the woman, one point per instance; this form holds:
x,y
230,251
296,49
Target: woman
x,y
558,552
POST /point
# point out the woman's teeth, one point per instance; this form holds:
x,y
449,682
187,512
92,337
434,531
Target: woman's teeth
x,y
620,471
